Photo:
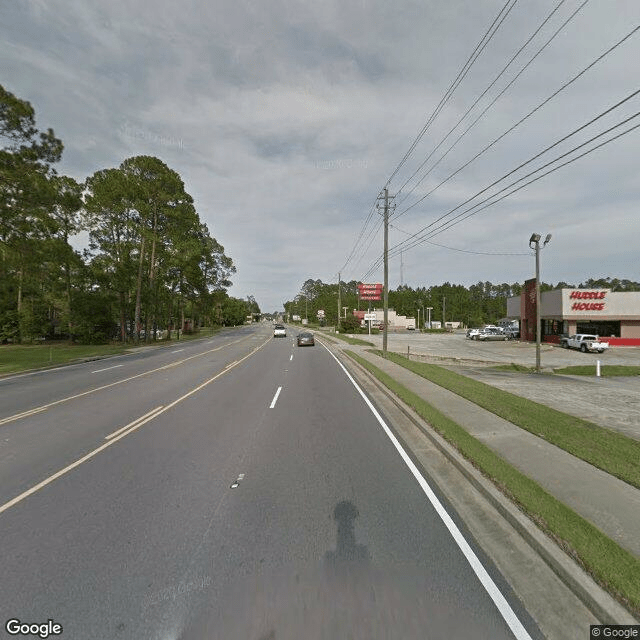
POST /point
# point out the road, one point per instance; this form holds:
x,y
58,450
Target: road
x,y
234,487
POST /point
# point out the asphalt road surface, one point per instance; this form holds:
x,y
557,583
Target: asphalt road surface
x,y
234,487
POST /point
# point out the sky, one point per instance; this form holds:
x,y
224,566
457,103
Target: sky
x,y
287,118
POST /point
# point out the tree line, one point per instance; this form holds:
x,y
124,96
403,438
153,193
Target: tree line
x,y
475,305
151,265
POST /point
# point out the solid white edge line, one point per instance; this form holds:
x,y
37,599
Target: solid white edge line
x,y
131,424
517,628
115,366
275,398
140,422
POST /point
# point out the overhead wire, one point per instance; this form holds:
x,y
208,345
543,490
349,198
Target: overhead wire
x,y
420,236
486,38
458,218
528,115
490,105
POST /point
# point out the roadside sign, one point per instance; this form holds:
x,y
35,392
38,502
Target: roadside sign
x,y
369,316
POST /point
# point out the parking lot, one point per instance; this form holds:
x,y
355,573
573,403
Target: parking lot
x,y
610,402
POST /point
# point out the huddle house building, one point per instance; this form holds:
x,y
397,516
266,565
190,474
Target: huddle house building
x,y
614,316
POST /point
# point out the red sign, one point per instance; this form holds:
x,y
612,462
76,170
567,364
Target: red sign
x,y
587,295
369,287
370,296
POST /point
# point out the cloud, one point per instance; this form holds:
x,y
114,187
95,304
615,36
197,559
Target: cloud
x,y
285,119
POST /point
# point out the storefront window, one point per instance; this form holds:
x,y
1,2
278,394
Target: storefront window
x,y
552,327
604,328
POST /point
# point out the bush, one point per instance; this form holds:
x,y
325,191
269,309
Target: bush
x,y
350,324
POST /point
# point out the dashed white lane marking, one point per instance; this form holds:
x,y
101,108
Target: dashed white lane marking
x,y
517,628
291,357
115,366
177,351
136,425
275,398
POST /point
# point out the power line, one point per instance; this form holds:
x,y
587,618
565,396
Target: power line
x,y
406,245
479,253
486,38
537,108
504,90
458,218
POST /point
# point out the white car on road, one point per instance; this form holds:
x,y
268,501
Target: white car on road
x,y
279,331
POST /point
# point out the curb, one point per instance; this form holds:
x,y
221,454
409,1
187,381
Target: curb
x,y
604,606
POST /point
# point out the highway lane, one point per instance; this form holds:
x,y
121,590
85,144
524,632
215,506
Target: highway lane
x,y
36,446
234,516
22,392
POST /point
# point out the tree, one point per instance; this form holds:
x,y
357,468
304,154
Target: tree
x,y
26,197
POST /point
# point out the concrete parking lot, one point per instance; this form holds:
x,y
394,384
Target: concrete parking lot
x,y
610,402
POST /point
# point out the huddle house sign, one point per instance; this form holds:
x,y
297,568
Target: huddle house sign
x,y
578,300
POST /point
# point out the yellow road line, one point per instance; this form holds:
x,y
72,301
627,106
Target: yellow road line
x,y
136,425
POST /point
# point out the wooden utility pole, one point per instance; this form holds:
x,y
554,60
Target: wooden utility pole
x,y
339,304
385,294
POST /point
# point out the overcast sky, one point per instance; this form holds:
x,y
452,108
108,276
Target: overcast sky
x,y
285,119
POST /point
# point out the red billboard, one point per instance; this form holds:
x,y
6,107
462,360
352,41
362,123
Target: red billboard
x,y
370,291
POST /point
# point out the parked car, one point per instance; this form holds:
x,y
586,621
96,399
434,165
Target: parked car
x,y
306,339
492,334
584,342
279,331
472,334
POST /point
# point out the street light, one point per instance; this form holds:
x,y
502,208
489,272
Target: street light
x,y
535,240
429,321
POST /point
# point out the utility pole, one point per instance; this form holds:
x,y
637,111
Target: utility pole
x,y
444,302
385,294
535,239
339,303
401,265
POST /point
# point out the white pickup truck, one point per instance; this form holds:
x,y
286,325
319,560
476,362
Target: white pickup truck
x,y
585,342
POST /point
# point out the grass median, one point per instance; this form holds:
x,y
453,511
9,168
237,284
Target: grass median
x,y
613,567
608,370
608,450
15,358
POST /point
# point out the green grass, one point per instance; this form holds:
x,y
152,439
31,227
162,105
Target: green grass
x,y
352,340
613,567
25,357
605,370
606,449
15,358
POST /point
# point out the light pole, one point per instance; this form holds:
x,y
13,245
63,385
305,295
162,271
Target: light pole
x,y
429,321
535,240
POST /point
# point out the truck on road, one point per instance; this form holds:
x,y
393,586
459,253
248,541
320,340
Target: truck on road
x,y
585,342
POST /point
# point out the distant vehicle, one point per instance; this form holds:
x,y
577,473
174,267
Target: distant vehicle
x,y
472,334
306,339
491,334
512,334
585,342
279,331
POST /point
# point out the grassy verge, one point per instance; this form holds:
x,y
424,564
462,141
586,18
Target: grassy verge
x,y
15,358
328,339
25,357
608,450
352,340
613,567
605,370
